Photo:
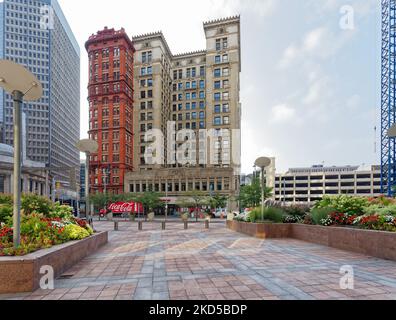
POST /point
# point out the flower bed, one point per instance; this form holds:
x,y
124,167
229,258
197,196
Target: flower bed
x,y
43,224
370,214
23,274
379,244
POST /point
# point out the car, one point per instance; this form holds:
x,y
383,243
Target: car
x,y
220,213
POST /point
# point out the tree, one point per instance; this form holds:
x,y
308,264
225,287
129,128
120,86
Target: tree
x,y
218,201
250,196
150,201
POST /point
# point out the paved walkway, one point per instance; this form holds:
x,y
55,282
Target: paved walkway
x,y
215,264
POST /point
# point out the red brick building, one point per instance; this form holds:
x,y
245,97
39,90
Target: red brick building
x,y
110,96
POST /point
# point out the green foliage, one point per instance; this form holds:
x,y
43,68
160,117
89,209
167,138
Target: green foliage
x,y
250,196
297,210
74,232
319,214
270,214
33,203
61,211
5,212
218,201
344,204
150,200
381,210
6,199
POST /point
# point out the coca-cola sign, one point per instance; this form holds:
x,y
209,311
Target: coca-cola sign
x,y
124,207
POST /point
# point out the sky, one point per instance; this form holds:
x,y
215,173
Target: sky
x,y
310,80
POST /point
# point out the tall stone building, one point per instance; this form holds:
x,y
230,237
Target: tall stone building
x,y
110,96
187,114
36,34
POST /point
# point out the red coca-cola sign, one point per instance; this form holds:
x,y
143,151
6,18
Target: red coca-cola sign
x,y
124,207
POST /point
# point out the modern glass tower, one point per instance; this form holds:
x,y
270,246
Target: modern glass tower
x,y
36,34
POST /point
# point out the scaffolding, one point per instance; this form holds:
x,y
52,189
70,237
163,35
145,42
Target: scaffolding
x,y
388,97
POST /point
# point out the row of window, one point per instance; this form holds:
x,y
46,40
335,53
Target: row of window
x,y
188,73
189,106
189,96
189,116
188,85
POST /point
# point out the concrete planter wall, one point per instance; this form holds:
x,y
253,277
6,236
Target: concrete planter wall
x,y
22,274
377,244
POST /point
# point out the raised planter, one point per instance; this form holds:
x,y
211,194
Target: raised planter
x,y
379,244
22,274
262,231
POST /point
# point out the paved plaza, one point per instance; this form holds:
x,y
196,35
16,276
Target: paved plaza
x,y
215,264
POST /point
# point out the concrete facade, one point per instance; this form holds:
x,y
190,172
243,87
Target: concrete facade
x,y
307,185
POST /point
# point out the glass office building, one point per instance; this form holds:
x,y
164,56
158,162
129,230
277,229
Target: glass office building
x,y
36,34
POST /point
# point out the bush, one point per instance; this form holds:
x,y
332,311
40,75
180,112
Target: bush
x,y
291,219
61,212
345,204
297,210
6,199
381,210
274,214
32,203
6,212
74,232
319,214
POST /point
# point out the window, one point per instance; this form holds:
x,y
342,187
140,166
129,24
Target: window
x,y
188,106
194,85
225,57
188,96
226,83
217,59
193,105
202,125
217,96
143,71
194,72
202,84
217,85
194,115
194,96
202,115
217,121
217,73
217,108
202,71
188,85
149,70
225,43
202,105
218,44
226,120
226,107
226,96
180,86
226,72
150,82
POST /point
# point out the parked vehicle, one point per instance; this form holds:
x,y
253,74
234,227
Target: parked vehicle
x,y
220,213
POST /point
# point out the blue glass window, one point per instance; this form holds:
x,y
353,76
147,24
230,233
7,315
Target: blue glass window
x,y
202,104
217,73
188,106
217,96
194,84
202,84
188,96
202,115
217,121
217,108
188,85
194,105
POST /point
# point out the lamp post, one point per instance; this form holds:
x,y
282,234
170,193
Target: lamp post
x,y
88,147
262,163
22,85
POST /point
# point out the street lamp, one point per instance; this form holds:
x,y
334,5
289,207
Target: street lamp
x,y
88,147
22,85
262,163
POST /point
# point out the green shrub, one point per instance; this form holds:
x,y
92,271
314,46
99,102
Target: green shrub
x,y
344,204
33,203
320,214
74,232
381,210
274,214
297,210
61,212
6,212
6,199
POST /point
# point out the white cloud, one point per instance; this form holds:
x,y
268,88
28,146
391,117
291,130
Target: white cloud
x,y
230,7
282,113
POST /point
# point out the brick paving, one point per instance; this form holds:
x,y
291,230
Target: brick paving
x,y
215,264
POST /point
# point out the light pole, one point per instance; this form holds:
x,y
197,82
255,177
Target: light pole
x,y
22,85
262,163
88,147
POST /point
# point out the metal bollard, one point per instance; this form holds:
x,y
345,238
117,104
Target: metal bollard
x,y
163,225
115,225
206,224
140,224
185,225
